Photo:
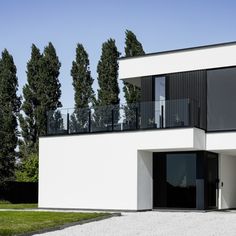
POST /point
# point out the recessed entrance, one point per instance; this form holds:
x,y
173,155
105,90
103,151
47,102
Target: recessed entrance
x,y
185,180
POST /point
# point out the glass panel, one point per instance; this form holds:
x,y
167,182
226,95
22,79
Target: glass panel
x,y
57,122
128,117
221,96
101,120
144,115
181,180
174,180
160,96
78,120
177,113
181,170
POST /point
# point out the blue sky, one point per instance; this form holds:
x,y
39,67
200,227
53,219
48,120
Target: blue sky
x,y
159,25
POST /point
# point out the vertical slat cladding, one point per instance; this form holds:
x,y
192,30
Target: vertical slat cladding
x,y
146,89
189,85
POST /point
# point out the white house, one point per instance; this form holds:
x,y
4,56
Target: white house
x,y
174,149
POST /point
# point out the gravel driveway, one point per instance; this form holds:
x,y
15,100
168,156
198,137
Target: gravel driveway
x,y
157,223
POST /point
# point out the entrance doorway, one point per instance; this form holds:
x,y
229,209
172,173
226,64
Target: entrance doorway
x,y
185,180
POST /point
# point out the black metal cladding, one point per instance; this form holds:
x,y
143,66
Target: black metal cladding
x,y
147,89
192,85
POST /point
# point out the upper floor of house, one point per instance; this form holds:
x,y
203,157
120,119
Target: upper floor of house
x,y
193,87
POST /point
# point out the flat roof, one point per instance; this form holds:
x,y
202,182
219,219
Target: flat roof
x,y
181,50
179,60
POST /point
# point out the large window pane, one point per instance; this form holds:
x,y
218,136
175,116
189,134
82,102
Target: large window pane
x,y
221,97
174,178
181,180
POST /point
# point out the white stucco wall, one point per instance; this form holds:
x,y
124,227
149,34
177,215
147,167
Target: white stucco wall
x,y
195,59
145,181
105,171
221,142
227,175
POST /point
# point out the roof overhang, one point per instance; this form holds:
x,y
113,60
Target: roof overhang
x,y
206,57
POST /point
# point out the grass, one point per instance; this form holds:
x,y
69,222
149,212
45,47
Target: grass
x,y
8,205
20,222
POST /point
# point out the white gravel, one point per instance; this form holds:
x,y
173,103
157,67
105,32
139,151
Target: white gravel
x,y
157,223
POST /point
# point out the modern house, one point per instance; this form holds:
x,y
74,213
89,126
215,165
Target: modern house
x,y
174,149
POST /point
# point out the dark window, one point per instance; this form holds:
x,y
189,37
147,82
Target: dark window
x,y
221,99
175,180
185,180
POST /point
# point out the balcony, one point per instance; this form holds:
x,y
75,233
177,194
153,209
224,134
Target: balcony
x,y
117,118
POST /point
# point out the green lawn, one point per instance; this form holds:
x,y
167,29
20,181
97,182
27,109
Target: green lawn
x,y
19,222
6,205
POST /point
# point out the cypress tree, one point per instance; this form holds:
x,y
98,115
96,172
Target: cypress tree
x,y
41,94
107,69
49,89
82,80
108,92
132,48
1,127
28,121
9,107
82,83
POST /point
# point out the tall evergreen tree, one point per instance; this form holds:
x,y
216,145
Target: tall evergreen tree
x,y
82,83
29,129
49,89
82,80
1,138
9,106
132,48
41,94
108,92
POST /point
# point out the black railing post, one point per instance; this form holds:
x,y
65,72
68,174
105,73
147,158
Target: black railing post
x,y
89,121
68,123
189,113
136,117
162,116
112,119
